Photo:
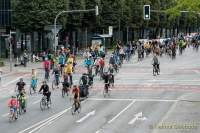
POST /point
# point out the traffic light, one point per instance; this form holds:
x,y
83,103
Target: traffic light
x,y
146,12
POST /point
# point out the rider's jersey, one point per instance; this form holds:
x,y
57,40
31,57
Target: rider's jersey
x,y
44,88
76,91
88,62
68,69
61,60
13,103
102,62
70,60
155,60
112,60
47,65
20,85
56,72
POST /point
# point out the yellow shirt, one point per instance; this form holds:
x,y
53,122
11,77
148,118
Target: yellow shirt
x,y
68,69
70,60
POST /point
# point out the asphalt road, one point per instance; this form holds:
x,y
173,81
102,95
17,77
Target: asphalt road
x,y
139,102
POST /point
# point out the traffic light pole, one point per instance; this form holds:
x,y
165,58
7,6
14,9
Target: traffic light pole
x,y
71,11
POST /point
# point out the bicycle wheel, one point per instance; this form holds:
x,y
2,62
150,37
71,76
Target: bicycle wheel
x,y
42,104
154,71
79,108
63,92
105,92
20,106
73,109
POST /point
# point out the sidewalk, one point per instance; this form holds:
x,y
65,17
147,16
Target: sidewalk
x,y
30,66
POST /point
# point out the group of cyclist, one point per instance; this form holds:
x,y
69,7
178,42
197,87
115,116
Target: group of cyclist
x,y
63,63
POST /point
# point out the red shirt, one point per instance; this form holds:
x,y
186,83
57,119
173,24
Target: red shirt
x,y
46,64
101,62
76,91
13,102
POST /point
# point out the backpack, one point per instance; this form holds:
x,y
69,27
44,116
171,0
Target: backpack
x,y
84,79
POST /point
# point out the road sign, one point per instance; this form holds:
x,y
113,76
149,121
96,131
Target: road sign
x,y
146,12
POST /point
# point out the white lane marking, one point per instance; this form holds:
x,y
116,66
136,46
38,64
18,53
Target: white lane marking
x,y
138,116
86,116
128,106
35,102
98,131
12,81
45,122
140,100
5,115
169,112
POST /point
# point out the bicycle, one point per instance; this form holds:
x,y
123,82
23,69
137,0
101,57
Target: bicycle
x,y
44,104
65,89
116,68
13,116
22,104
155,70
111,80
76,107
106,91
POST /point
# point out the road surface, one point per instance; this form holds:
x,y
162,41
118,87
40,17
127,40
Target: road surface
x,y
139,102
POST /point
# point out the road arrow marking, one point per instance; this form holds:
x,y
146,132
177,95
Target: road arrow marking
x,y
138,116
85,117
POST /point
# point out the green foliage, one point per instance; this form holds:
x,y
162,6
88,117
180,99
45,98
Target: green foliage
x,y
34,15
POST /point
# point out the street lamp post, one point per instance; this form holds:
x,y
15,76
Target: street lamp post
x,y
71,11
10,37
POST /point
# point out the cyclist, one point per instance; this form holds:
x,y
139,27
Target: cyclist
x,y
13,104
56,73
47,66
20,86
96,64
66,84
155,62
71,59
88,63
22,100
101,66
62,62
84,83
111,73
112,60
76,92
46,91
68,70
34,81
106,78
